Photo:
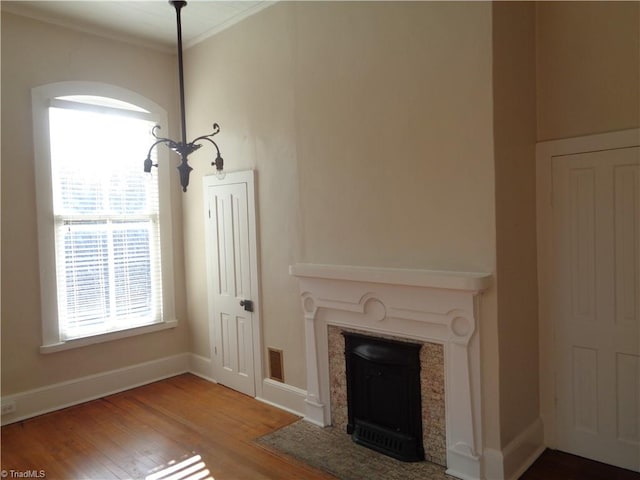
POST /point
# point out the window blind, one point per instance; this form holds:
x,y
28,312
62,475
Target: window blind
x,y
106,216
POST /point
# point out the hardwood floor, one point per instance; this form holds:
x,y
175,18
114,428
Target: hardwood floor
x,y
555,465
137,432
190,425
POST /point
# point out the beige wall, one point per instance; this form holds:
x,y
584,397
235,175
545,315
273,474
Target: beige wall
x,y
371,128
588,64
395,155
515,136
243,79
35,53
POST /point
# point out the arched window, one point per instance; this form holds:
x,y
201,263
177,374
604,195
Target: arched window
x,y
104,226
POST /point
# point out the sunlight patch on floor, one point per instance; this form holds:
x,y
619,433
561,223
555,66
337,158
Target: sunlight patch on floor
x,y
192,468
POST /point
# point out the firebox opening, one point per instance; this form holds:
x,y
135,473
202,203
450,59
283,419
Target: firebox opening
x,y
383,395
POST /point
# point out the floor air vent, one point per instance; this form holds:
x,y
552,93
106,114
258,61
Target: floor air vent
x,y
276,367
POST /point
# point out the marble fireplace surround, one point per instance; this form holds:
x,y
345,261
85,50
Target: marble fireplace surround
x,y
429,306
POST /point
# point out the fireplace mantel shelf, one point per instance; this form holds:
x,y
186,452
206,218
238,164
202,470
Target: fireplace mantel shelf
x,y
468,281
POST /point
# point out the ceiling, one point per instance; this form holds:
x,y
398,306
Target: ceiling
x,y
148,23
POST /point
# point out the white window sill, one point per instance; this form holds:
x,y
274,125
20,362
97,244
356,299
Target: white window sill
x,y
107,337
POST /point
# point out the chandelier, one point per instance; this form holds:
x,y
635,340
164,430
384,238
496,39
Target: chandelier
x,y
183,148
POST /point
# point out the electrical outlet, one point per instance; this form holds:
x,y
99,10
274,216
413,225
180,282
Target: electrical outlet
x,y
8,407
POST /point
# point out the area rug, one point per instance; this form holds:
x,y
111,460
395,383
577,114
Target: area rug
x,y
334,452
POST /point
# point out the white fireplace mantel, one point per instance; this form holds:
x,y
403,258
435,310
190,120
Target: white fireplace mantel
x,y
430,306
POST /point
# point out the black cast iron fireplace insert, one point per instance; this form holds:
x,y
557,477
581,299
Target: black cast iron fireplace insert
x,y
383,395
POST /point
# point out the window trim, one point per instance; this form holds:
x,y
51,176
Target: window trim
x,y
107,337
42,98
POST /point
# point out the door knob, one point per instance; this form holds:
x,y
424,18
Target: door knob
x,y
247,304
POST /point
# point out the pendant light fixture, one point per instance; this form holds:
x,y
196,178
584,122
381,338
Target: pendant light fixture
x,y
183,148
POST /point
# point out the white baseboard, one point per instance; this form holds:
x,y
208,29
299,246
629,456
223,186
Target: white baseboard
x,y
517,456
523,450
201,366
284,396
493,464
65,394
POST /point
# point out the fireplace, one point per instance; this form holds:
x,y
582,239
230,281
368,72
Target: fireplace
x,y
431,386
383,395
428,307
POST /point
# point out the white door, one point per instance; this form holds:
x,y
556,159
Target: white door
x,y
596,209
232,272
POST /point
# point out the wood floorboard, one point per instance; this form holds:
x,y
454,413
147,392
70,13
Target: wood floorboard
x,y
106,436
555,465
138,432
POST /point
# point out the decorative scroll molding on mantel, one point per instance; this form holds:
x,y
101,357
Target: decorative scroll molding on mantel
x,y
429,306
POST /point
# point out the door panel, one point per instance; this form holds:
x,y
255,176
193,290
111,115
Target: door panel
x,y
597,296
626,241
627,373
